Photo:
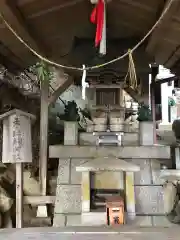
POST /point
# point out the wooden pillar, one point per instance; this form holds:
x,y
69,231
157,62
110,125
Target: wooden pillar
x,y
19,195
42,210
130,195
177,157
154,72
86,188
121,96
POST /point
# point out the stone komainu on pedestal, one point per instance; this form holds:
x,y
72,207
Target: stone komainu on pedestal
x,y
172,201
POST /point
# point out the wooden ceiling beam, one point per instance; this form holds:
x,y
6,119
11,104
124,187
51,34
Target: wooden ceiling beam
x,y
10,60
162,28
17,22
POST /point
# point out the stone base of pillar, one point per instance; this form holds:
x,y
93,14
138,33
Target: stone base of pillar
x,y
146,131
42,211
70,133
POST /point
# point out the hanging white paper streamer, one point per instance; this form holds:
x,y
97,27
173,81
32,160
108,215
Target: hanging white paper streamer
x,y
84,83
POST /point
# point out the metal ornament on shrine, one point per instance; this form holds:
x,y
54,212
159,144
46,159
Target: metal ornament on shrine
x,y
17,147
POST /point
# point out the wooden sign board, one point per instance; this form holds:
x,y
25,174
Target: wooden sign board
x,y
17,146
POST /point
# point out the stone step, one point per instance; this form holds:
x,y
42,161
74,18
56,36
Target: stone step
x,y
38,222
88,219
134,232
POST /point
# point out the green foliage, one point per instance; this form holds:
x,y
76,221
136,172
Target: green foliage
x,y
171,102
86,113
43,71
72,113
144,113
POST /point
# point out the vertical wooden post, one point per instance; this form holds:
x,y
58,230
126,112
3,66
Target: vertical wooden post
x,y
177,157
19,195
121,97
86,189
154,72
130,195
153,111
43,142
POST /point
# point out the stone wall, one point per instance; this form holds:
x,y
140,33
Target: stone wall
x,y
74,93
147,184
68,202
149,193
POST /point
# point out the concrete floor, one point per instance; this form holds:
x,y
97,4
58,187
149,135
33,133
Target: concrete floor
x,y
91,233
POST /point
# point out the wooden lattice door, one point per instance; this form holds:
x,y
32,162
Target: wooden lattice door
x,y
107,96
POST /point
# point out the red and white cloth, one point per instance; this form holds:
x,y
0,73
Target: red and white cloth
x,y
98,17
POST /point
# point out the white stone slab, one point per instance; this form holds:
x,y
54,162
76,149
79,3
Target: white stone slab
x,y
170,174
138,152
94,218
107,164
70,133
149,200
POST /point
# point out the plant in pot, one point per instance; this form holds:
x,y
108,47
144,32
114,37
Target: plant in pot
x,y
145,125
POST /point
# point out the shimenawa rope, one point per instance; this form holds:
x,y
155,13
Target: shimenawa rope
x,y
91,67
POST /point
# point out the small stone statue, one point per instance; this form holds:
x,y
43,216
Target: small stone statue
x,y
172,201
176,129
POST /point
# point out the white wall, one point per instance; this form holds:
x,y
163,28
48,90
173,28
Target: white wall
x,y
166,91
74,93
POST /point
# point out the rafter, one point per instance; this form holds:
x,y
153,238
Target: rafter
x,y
62,88
162,28
13,16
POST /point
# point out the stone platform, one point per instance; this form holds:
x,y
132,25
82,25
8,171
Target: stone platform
x,y
147,185
89,233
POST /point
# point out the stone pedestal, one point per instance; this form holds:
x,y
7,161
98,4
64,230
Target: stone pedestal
x,y
117,120
70,133
68,192
146,133
100,124
116,124
147,185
